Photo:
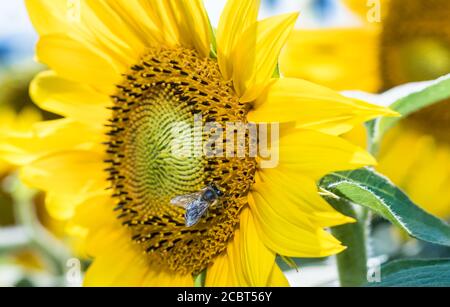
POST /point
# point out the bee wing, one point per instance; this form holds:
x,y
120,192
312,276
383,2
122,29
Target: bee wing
x,y
183,201
195,211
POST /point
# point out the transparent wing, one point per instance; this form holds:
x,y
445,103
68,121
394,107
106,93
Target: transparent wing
x,y
195,211
184,200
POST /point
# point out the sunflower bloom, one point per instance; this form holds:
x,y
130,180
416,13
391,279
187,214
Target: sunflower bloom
x,y
365,8
137,67
328,57
17,112
410,44
416,156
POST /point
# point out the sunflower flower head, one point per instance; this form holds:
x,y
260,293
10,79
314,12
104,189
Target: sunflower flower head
x,y
415,42
167,86
409,43
416,153
17,112
414,46
122,74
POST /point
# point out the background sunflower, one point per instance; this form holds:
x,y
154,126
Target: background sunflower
x,y
411,43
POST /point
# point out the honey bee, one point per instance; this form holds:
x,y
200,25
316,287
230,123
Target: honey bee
x,y
197,204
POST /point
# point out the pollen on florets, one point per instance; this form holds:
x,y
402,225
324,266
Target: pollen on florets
x,y
171,85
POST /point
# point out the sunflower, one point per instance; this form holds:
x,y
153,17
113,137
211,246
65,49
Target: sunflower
x,y
411,44
418,47
363,8
340,58
416,156
17,115
121,73
11,120
17,112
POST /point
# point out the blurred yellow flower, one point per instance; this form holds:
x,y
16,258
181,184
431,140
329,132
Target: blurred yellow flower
x,y
364,8
17,113
152,64
416,156
341,58
412,43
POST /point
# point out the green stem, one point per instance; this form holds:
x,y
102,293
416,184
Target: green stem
x,y
199,280
352,263
12,239
39,238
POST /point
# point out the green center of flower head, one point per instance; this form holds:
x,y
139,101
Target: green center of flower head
x,y
415,43
156,107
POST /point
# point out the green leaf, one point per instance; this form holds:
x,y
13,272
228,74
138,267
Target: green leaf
x,y
415,273
413,98
367,188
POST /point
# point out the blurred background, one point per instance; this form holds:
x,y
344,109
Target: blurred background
x,y
342,44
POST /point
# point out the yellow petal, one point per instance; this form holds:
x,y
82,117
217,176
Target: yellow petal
x,y
80,62
162,13
195,26
93,23
68,178
117,260
313,107
181,22
363,7
277,278
119,264
237,17
111,32
221,273
256,57
315,154
420,165
136,18
46,138
157,277
95,212
67,98
293,237
4,167
23,121
101,25
161,278
256,259
105,230
357,136
341,58
430,178
299,197
48,16
400,151
247,261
